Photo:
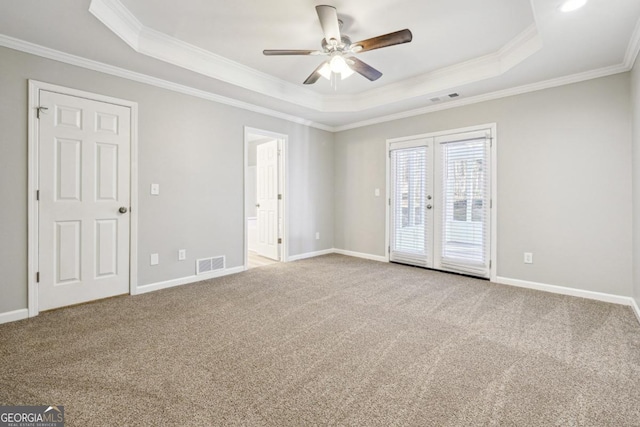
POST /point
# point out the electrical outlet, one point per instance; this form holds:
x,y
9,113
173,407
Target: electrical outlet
x,y
154,259
528,258
376,192
155,189
182,254
317,235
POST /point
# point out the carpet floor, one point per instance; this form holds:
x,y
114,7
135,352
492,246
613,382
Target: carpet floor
x,y
331,340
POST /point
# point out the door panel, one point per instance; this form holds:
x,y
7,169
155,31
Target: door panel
x,y
411,204
84,148
267,197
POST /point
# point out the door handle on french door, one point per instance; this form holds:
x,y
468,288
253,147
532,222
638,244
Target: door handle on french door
x,y
257,205
429,206
122,210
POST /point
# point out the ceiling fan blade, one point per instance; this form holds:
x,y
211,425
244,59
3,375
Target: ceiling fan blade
x,y
272,52
399,37
315,75
364,69
328,16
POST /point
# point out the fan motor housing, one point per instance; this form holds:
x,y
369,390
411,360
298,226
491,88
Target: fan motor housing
x,y
345,42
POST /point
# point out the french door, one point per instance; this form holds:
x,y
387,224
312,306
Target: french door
x,y
440,203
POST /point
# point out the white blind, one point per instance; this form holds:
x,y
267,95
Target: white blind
x,y
465,202
408,237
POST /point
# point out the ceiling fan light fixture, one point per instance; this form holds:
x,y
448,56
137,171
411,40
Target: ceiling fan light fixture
x,y
348,72
325,71
338,64
571,5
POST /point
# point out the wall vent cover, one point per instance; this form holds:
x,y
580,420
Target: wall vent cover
x,y
207,265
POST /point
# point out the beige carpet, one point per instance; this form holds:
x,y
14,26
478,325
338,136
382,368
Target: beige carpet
x,y
330,341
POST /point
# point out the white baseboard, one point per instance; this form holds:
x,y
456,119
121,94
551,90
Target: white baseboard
x,y
186,280
636,309
310,254
12,316
599,296
360,255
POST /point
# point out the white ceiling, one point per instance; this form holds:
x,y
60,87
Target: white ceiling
x,y
480,49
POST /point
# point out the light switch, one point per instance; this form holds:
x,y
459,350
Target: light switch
x,y
155,189
377,192
154,259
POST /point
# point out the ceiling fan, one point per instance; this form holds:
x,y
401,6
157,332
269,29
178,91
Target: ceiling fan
x,y
340,49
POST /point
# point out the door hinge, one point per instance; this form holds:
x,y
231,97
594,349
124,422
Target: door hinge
x,y
489,263
388,249
38,195
38,277
40,109
279,240
279,196
491,204
389,202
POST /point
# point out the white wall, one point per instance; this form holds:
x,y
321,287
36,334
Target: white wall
x,y
635,109
192,147
564,182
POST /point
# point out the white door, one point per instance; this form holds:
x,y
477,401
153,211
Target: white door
x,y
267,199
83,231
411,210
440,203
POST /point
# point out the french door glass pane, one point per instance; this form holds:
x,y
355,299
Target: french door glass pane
x,y
465,195
408,204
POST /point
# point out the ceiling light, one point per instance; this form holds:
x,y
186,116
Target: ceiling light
x,y
571,5
330,67
338,64
347,72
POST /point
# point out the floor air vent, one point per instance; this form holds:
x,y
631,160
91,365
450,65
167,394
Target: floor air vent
x,y
207,265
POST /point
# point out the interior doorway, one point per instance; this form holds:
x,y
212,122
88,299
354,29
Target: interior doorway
x,y
264,198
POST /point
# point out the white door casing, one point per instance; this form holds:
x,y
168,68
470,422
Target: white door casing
x,y
267,199
84,179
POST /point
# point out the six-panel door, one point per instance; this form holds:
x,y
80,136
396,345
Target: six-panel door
x,y
84,173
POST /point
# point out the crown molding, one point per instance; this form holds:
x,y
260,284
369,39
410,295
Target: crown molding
x,y
547,84
155,44
56,55
633,48
115,16
492,65
12,43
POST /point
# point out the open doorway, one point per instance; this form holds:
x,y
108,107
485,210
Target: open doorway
x,y
264,198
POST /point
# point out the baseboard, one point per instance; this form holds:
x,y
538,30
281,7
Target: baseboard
x,y
310,254
186,280
599,296
12,316
636,309
360,255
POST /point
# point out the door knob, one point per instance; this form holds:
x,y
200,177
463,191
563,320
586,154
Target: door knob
x,y
257,205
122,210
429,206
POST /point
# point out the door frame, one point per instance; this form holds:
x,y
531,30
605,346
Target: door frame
x,y
494,187
32,185
283,187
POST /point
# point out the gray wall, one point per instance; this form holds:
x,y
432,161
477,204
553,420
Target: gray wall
x,y
192,147
564,182
635,103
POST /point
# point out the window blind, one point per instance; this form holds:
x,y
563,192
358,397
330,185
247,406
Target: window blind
x,y
409,225
465,199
